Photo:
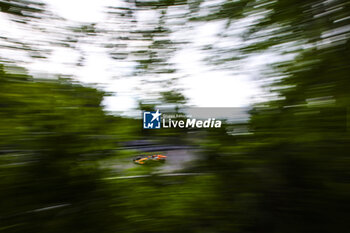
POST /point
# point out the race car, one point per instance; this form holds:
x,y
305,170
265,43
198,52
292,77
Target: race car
x,y
149,158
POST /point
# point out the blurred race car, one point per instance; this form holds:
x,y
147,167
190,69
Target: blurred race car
x,y
149,158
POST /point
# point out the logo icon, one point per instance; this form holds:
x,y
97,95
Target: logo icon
x,y
151,120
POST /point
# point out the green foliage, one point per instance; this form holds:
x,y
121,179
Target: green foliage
x,y
21,7
173,97
52,132
291,174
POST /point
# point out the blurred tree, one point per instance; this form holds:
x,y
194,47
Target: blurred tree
x,y
52,133
291,175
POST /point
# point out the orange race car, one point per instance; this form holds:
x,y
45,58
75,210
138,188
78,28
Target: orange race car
x,y
149,158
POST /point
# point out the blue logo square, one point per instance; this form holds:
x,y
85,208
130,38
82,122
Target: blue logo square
x,y
151,120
